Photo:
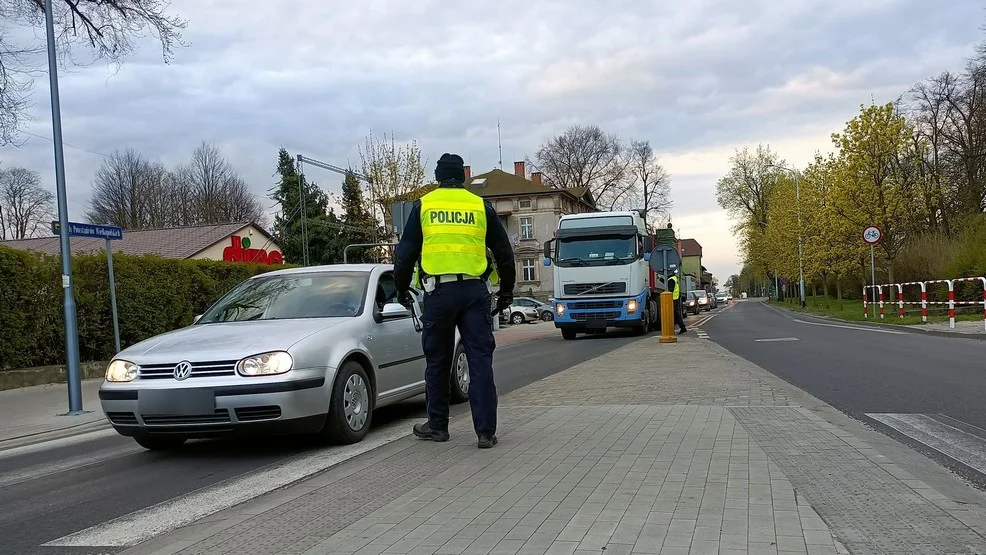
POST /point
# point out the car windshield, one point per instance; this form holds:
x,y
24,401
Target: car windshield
x,y
700,294
326,295
596,250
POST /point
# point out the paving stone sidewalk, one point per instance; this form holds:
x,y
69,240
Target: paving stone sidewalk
x,y
651,448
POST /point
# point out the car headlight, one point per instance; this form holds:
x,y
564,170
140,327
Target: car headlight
x,y
265,364
632,305
559,309
121,371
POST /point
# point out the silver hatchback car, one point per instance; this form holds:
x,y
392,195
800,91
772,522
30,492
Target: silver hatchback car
x,y
303,350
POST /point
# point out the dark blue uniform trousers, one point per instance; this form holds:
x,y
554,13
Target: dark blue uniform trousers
x,y
468,305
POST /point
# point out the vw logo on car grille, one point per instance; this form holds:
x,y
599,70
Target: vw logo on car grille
x,y
183,370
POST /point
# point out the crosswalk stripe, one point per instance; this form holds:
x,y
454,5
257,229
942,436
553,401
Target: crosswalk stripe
x,y
958,444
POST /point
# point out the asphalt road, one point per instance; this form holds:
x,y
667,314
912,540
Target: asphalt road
x,y
865,370
48,494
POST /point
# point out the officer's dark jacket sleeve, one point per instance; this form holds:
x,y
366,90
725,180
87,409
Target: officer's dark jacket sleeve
x,y
503,251
408,249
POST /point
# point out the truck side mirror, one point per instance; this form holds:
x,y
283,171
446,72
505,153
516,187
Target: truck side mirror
x,y
547,248
648,244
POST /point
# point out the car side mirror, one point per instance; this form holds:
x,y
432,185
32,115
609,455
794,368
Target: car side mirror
x,y
197,318
394,310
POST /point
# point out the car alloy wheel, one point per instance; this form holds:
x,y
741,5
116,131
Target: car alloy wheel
x,y
517,318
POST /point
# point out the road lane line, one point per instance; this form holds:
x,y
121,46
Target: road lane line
x,y
142,525
774,339
858,328
957,444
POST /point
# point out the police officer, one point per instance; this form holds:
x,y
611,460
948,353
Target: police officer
x,y
676,297
446,239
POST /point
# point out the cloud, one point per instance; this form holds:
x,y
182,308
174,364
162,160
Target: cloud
x,y
698,79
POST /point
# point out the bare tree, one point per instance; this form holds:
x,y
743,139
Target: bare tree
x,y
585,156
25,206
651,190
107,29
395,172
217,192
135,193
125,189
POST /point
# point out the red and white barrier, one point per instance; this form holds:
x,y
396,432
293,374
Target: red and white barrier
x,y
899,292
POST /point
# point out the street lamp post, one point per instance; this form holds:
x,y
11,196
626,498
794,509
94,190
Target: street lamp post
x,y
797,195
74,374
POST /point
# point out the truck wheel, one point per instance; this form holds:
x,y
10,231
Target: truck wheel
x,y
644,327
568,334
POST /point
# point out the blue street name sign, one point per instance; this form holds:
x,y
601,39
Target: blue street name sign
x,y
108,232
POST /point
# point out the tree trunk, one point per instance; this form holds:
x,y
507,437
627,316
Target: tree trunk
x,y
825,285
838,287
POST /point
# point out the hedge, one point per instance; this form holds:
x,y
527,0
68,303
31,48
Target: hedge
x,y
153,294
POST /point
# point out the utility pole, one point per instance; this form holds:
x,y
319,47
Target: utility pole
x,y
74,378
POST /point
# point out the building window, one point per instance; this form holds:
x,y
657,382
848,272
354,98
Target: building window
x,y
528,266
525,204
527,227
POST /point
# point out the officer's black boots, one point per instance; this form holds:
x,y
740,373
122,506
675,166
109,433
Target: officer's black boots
x,y
424,431
485,441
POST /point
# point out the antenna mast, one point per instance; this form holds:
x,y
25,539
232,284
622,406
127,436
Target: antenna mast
x,y
499,145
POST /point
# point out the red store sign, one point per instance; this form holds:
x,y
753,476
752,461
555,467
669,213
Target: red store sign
x,y
240,251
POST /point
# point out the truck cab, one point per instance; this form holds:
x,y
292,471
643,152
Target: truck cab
x,y
602,277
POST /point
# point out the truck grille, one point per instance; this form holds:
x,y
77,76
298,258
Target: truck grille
x,y
586,316
609,288
199,370
594,305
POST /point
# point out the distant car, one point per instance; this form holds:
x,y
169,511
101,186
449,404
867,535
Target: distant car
x,y
524,309
702,299
302,350
722,298
692,304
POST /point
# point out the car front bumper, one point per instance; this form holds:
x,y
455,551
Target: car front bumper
x,y
233,406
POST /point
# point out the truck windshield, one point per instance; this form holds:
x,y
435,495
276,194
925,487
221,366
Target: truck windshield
x,y
596,250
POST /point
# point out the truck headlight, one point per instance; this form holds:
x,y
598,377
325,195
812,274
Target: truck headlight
x,y
632,305
265,364
121,371
560,309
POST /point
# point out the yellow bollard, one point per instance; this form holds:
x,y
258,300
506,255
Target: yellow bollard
x,y
667,319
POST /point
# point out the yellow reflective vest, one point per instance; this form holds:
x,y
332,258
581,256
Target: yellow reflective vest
x,y
453,225
676,292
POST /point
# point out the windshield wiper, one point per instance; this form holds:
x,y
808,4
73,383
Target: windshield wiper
x,y
573,259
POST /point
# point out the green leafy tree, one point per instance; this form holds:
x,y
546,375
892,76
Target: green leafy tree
x,y
361,225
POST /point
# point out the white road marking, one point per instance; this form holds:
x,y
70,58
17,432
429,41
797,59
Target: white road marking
x,y
859,328
56,443
772,339
71,463
139,526
960,445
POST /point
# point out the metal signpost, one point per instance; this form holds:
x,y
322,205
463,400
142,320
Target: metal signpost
x,y
110,233
872,236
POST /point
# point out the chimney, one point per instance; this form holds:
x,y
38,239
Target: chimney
x,y
468,171
536,177
520,170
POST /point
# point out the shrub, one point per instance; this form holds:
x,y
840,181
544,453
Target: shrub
x,y
154,295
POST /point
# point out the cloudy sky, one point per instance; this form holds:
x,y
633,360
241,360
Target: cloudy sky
x,y
698,79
